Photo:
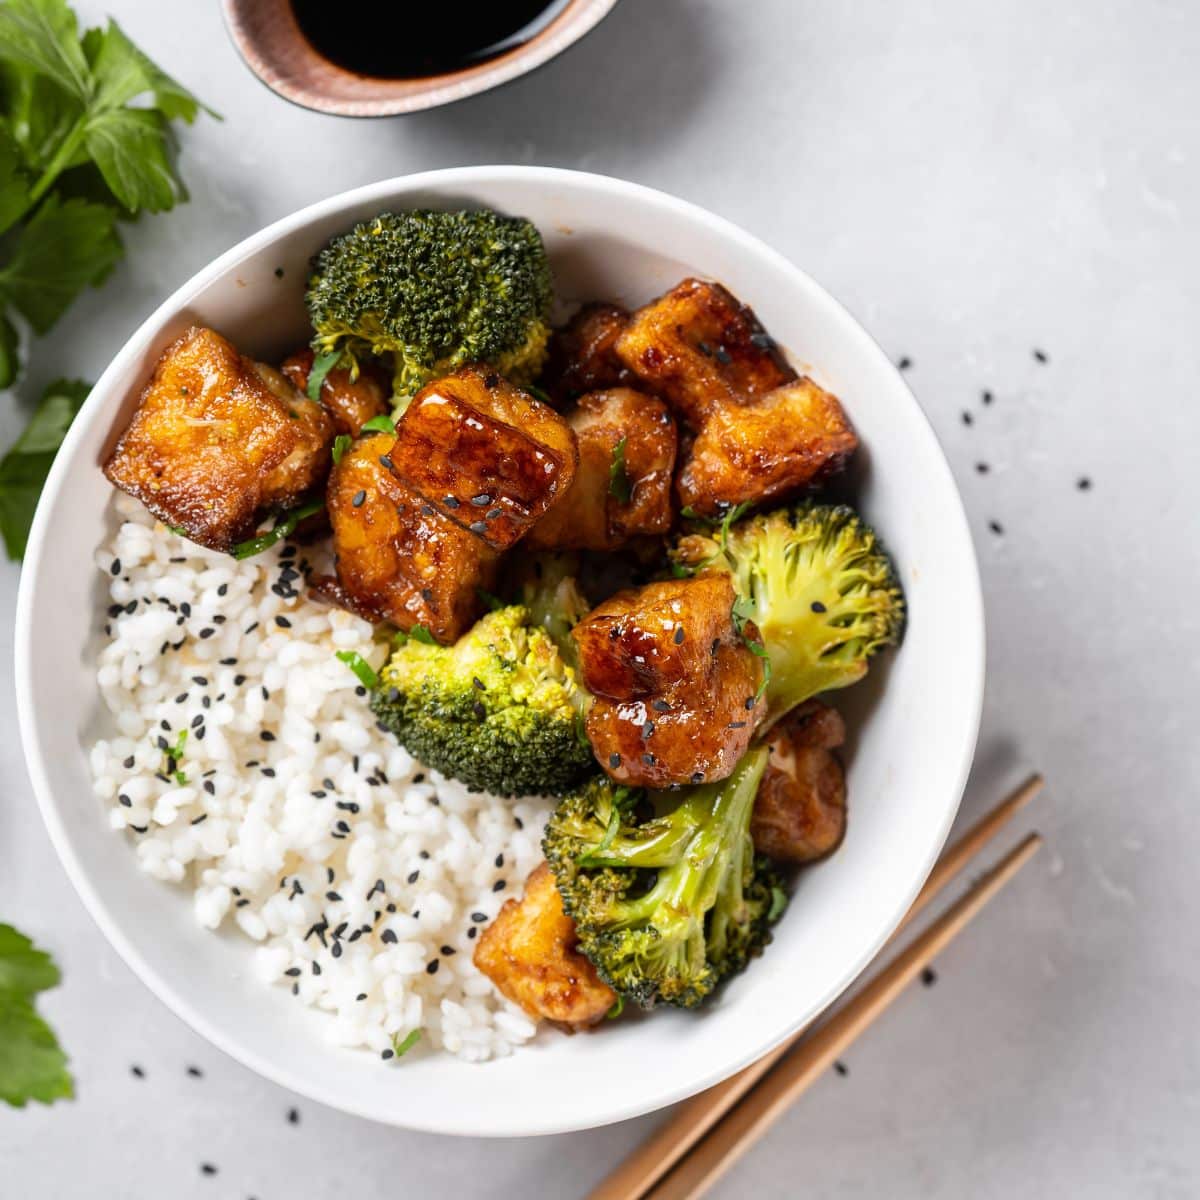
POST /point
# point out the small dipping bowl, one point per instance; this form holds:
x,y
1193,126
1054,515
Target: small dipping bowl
x,y
269,38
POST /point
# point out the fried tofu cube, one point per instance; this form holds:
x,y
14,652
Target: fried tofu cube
x,y
701,349
790,439
675,684
627,443
309,463
485,454
398,558
530,953
350,402
213,444
800,811
582,355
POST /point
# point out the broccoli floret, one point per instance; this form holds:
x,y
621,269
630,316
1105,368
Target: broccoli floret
x,y
666,906
499,710
817,584
430,291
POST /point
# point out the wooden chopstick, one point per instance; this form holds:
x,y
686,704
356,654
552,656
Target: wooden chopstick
x,y
709,1161
695,1117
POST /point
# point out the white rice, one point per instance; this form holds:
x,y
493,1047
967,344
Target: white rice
x,y
293,808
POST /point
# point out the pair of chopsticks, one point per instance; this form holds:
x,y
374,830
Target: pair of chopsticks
x,y
710,1132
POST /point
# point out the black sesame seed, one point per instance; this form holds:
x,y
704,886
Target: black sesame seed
x,y
1041,356
472,932
478,527
493,513
478,709
242,903
614,761
292,971
137,1072
750,702
697,776
648,729
723,356
207,1169
1084,484
967,419
704,349
499,885
316,968
293,1116
737,724
419,777
841,1068
116,566
762,340
336,950
987,397
343,826
679,635
478,917
361,996
451,501
251,627
210,787
388,937
427,510
982,468
358,498
817,606
649,759
267,735
660,706
448,950
413,876
996,527
334,896
385,461
432,967
283,623
195,1072
200,819
278,272
904,363
499,860
482,500
387,1054
125,800
423,854
238,680
929,977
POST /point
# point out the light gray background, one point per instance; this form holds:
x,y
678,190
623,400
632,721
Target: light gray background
x,y
974,180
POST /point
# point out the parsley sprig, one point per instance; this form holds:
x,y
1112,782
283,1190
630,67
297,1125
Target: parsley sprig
x,y
86,140
32,1065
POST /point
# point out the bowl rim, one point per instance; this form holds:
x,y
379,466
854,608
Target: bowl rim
x,y
972,651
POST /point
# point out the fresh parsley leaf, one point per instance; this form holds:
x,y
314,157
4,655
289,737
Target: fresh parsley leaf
x,y
122,73
284,527
24,468
14,186
58,252
419,633
32,1065
755,648
380,424
366,673
24,969
401,1046
130,147
618,477
322,365
43,36
341,444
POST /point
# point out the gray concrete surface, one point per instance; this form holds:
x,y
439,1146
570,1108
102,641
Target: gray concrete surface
x,y
975,181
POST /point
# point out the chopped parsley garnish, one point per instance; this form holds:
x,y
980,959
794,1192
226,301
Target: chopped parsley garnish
x,y
284,527
380,424
401,1046
341,444
32,1064
367,674
322,365
618,477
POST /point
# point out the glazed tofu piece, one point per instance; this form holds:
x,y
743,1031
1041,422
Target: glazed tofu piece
x,y
582,355
790,439
675,684
701,349
213,443
309,463
800,810
398,558
627,443
485,454
530,953
350,402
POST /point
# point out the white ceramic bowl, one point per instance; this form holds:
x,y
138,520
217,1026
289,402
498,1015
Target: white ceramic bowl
x,y
913,721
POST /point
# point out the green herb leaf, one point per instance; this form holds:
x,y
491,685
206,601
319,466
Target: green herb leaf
x,y
539,394
130,147
595,858
419,633
32,1065
24,468
123,73
618,1007
14,184
58,252
341,444
284,527
10,352
24,969
322,365
756,648
618,478
380,424
43,36
402,1046
366,673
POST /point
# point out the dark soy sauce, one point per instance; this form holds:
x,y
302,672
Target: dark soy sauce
x,y
391,39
